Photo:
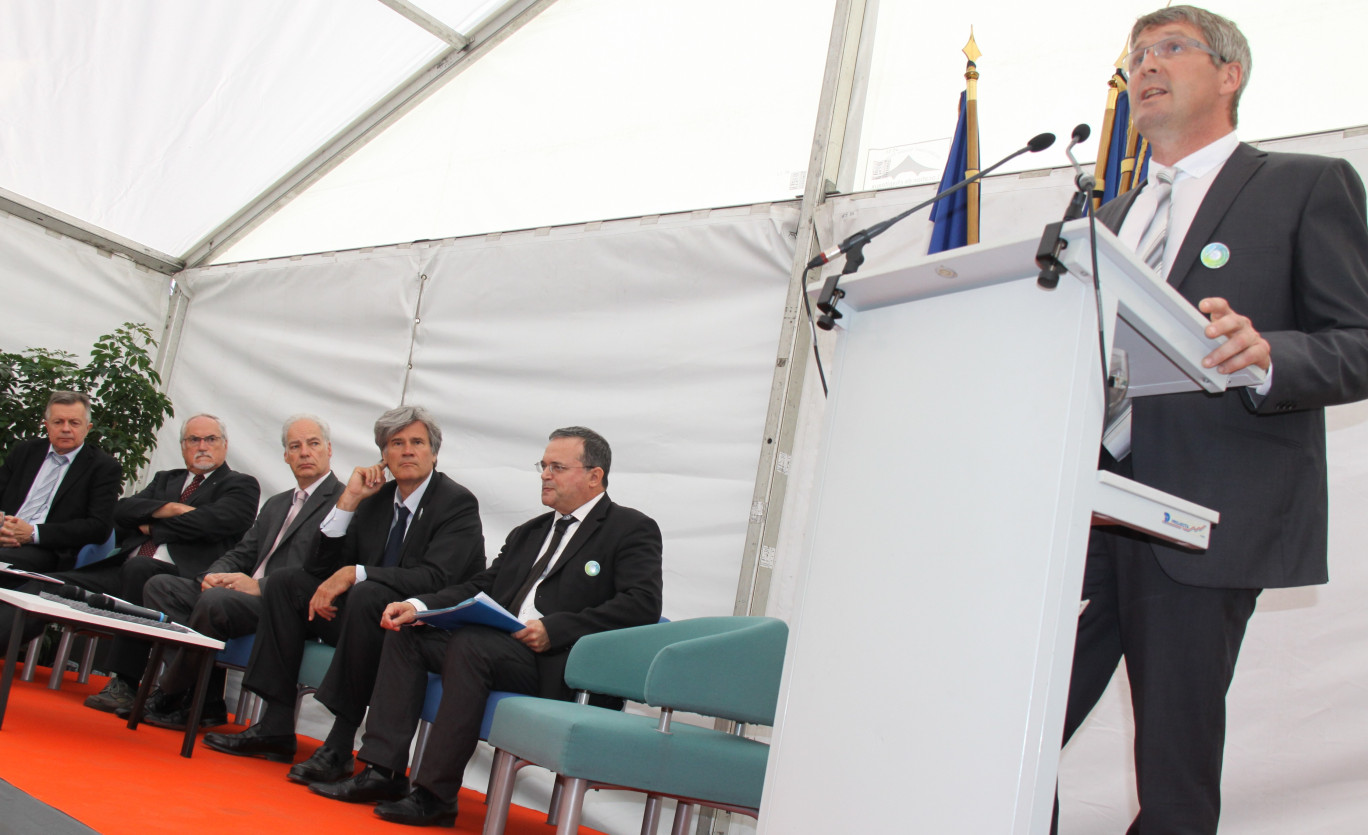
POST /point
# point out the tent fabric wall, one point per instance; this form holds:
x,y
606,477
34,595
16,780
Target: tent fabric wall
x,y
658,332
1298,721
61,293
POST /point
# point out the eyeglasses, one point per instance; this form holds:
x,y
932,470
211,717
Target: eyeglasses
x,y
557,469
1168,49
196,440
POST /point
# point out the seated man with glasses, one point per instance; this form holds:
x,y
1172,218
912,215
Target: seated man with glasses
x,y
588,566
178,524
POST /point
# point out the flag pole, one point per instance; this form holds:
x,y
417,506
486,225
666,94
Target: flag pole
x,y
971,52
1116,87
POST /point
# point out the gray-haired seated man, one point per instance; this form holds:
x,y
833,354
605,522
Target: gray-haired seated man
x,y
384,540
226,601
588,566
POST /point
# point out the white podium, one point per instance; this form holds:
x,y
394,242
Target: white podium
x,y
929,653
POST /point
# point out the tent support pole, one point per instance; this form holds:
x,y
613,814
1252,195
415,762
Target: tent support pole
x,y
852,25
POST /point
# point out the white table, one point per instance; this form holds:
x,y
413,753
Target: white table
x,y
49,610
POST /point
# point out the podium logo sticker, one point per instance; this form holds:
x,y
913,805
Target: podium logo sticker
x,y
1215,255
1182,525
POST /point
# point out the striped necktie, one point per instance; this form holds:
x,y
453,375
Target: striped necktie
x,y
40,494
1155,240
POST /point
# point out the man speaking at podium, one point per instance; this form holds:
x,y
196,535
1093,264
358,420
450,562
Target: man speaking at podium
x,y
1274,249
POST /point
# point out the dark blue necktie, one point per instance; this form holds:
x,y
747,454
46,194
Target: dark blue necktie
x,y
396,538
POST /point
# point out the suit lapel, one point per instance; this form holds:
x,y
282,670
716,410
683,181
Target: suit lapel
x,y
320,497
206,490
79,465
582,534
1116,211
28,470
1224,189
414,532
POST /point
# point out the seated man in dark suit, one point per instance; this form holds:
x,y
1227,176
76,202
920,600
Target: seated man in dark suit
x,y
383,540
179,524
57,493
226,602
589,566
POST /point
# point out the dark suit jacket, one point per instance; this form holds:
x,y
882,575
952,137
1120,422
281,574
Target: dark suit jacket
x,y
82,511
574,602
225,505
1298,268
300,540
444,543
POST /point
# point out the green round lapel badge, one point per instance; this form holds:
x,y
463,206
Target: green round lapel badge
x,y
1215,256
592,568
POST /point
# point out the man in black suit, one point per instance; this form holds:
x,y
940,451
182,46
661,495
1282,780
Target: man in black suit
x,y
1274,249
57,494
178,525
226,602
383,540
589,566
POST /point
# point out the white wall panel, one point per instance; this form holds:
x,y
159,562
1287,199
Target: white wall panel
x,y
659,333
56,292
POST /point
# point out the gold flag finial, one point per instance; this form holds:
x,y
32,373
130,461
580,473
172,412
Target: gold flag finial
x,y
971,50
1121,59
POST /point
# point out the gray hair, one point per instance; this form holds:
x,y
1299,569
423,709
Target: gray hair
x,y
296,418
596,453
390,423
1221,34
222,430
67,398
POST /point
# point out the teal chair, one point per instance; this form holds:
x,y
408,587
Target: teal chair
x,y
724,667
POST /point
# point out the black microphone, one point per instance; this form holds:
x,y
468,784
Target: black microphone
x,y
853,246
109,603
1085,181
1038,142
113,604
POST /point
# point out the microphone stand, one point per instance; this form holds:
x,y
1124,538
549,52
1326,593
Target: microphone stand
x,y
1051,244
853,246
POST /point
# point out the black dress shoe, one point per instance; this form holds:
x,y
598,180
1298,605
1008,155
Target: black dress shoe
x,y
325,766
213,715
278,748
370,786
421,808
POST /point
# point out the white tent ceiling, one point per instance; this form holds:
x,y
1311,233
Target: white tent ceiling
x,y
158,120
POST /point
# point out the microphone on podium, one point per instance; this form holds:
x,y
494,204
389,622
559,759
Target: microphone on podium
x,y
853,246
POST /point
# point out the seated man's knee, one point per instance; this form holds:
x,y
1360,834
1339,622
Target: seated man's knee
x,y
371,597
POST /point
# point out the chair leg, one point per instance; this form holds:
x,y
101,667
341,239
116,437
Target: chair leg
x,y
88,659
60,661
650,821
420,748
557,795
501,774
572,805
240,709
682,819
31,659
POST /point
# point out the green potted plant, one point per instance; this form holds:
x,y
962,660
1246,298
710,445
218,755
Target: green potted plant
x,y
129,406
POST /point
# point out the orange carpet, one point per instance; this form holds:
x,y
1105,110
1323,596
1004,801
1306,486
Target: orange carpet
x,y
91,766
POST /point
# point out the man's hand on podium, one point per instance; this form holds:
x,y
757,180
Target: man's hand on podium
x,y
1243,347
